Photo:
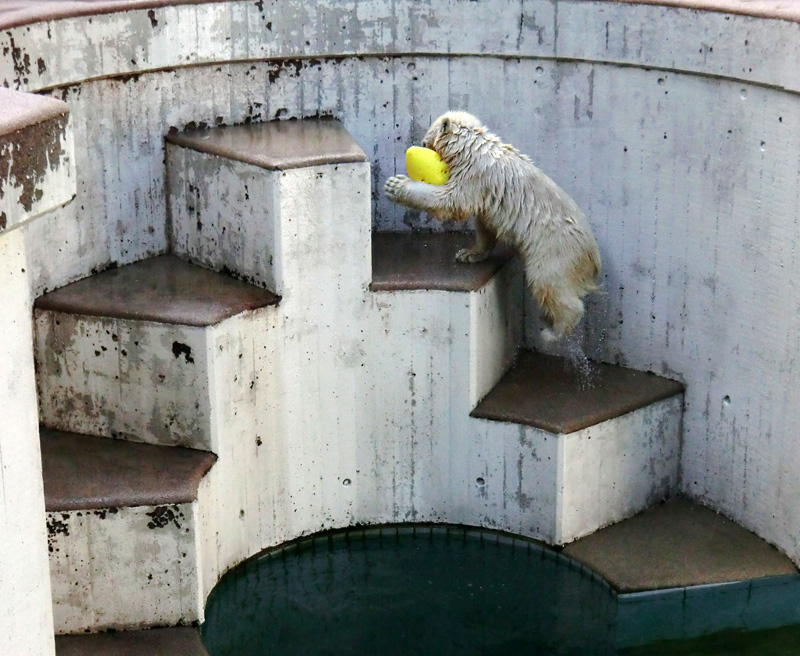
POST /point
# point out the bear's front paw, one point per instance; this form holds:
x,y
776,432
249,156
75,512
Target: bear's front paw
x,y
471,256
395,188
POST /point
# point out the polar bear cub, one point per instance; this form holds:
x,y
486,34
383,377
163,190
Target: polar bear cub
x,y
513,201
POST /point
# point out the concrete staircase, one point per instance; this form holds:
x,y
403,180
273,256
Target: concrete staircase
x,y
132,354
541,449
344,378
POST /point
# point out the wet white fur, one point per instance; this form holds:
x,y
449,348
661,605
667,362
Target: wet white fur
x,y
516,202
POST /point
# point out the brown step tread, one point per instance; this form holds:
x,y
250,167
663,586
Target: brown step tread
x,y
22,110
548,392
83,472
426,260
180,641
677,544
276,145
164,289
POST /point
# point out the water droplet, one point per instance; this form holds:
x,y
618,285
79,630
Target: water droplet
x,y
661,81
346,482
480,482
763,146
726,401
411,66
539,69
744,94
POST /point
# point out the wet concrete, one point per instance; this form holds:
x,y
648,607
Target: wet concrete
x,y
407,261
164,289
82,472
676,544
180,641
549,393
277,145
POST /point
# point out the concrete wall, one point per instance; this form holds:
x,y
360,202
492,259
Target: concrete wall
x,y
35,176
26,624
676,130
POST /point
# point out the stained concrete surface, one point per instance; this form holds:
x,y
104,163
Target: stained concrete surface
x,y
164,289
180,641
677,544
83,472
408,261
549,393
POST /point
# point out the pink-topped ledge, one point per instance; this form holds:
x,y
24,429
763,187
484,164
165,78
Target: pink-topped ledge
x,y
23,12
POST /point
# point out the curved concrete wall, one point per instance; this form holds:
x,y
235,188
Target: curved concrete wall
x,y
677,130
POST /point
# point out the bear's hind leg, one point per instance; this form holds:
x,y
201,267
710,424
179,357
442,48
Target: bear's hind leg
x,y
562,308
485,239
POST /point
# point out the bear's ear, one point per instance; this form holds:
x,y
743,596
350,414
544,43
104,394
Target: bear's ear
x,y
445,125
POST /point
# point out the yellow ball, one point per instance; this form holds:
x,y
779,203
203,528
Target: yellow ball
x,y
425,165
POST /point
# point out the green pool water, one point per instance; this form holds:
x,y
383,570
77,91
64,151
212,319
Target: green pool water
x,y
773,642
430,590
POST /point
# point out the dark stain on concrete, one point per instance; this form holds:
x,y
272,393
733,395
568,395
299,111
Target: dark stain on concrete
x,y
104,267
179,349
277,68
131,77
56,527
195,125
32,152
152,16
162,516
21,61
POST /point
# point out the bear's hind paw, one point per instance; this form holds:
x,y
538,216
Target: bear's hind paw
x,y
548,336
470,256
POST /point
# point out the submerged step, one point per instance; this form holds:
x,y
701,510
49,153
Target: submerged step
x,y
122,525
179,641
132,352
417,260
678,544
553,394
682,570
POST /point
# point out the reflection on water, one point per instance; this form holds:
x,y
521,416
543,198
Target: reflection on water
x,y
406,591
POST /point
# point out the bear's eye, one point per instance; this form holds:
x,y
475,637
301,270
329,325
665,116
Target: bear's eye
x,y
445,125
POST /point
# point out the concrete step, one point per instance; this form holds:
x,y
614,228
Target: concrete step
x,y
410,261
544,448
38,154
682,570
605,439
560,397
285,205
181,641
464,320
237,193
128,352
122,523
